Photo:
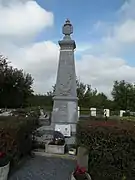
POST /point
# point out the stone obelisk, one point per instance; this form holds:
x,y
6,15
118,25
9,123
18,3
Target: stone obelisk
x,y
65,107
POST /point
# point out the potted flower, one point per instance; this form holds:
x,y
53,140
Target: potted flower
x,y
4,166
80,173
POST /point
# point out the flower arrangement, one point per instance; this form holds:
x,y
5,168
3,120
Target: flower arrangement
x,y
80,173
4,160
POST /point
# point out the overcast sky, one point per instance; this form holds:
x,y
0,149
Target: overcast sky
x,y
104,31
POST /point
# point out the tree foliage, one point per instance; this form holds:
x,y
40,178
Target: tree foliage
x,y
16,91
89,97
15,85
111,148
123,94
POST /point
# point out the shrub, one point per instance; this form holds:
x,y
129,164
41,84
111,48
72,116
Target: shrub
x,y
16,136
111,147
128,118
126,114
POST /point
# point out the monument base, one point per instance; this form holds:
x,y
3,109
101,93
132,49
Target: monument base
x,y
47,132
55,149
65,111
52,127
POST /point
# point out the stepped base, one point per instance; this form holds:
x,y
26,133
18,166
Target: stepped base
x,y
55,149
63,156
47,134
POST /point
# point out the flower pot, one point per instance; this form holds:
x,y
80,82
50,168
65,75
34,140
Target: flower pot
x,y
72,177
72,151
4,170
88,177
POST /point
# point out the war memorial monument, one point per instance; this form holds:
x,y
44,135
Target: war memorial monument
x,y
65,107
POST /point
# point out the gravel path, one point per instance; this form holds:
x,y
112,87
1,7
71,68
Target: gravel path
x,y
45,168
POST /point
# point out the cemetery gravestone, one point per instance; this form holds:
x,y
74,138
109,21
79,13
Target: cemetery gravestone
x,y
122,112
106,112
93,111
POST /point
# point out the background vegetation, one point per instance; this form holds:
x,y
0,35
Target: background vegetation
x,y
111,148
111,144
16,91
16,135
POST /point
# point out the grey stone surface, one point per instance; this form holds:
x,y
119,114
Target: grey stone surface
x,y
65,107
46,133
45,168
82,157
55,149
70,141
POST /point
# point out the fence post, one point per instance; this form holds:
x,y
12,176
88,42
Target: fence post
x,y
78,112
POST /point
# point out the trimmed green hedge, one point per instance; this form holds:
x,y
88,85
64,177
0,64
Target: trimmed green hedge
x,y
111,148
16,136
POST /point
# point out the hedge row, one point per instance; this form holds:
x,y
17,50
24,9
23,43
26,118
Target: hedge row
x,y
111,148
16,136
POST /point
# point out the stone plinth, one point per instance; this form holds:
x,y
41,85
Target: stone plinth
x,y
82,157
55,149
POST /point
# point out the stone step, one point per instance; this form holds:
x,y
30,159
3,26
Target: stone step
x,y
63,156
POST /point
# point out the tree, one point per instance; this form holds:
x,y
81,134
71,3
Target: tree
x,y
41,100
123,94
89,97
84,94
51,93
15,85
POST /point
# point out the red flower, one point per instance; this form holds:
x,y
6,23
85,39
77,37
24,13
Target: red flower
x,y
79,170
2,154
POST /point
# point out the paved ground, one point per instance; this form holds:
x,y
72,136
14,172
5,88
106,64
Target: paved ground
x,y
45,168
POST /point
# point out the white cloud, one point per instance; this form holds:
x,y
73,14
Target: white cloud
x,y
127,10
22,20
104,64
121,33
125,32
41,61
101,71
